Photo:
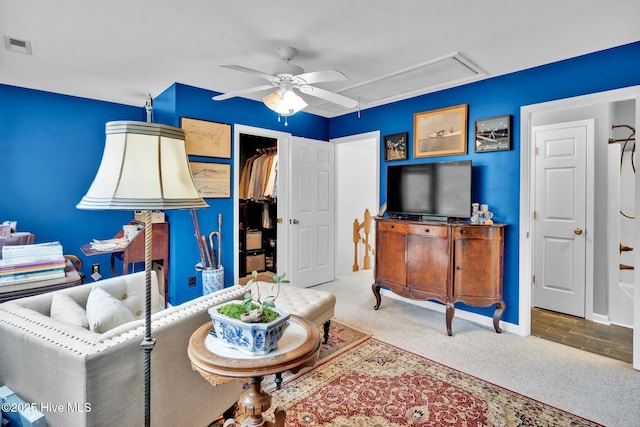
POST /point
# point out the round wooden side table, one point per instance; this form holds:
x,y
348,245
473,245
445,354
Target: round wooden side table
x,y
218,363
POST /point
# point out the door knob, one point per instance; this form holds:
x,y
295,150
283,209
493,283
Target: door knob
x,y
293,221
578,231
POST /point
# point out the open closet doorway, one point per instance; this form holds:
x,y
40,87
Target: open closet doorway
x,y
601,276
304,209
257,206
258,216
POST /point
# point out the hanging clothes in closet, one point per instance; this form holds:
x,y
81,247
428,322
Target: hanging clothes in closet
x,y
258,180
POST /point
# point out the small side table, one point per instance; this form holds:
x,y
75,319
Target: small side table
x,y
218,364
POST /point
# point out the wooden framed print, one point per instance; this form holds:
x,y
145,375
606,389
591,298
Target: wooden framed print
x,y
493,134
205,138
212,180
440,132
395,146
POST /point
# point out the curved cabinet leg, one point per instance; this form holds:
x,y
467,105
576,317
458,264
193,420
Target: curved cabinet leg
x,y
451,310
376,293
500,307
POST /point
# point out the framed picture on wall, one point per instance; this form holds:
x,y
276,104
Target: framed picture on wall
x,y
493,134
204,138
440,132
212,180
395,146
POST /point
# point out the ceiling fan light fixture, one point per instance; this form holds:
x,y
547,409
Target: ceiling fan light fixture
x,y
286,103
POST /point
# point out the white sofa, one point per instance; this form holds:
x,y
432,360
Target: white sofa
x,y
52,363
57,365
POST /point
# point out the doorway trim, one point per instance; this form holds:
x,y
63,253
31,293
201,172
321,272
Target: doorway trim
x,y
526,181
284,140
374,137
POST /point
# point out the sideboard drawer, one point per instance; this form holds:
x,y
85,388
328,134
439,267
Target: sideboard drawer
x,y
428,230
393,226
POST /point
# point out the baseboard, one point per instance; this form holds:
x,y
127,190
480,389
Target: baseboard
x,y
600,318
460,313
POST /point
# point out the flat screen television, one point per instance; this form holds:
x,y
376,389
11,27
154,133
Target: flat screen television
x,y
439,191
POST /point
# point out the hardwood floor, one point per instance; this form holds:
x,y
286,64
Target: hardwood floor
x,y
612,341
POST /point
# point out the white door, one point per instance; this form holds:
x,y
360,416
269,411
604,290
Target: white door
x,y
560,216
312,212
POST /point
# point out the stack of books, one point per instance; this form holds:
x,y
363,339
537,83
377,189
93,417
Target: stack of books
x,y
29,263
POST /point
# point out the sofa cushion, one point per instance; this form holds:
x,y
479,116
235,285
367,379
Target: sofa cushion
x,y
105,312
66,309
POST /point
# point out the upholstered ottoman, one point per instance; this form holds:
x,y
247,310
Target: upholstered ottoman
x,y
312,304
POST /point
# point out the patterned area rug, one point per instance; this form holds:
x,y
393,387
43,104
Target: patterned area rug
x,y
377,384
341,339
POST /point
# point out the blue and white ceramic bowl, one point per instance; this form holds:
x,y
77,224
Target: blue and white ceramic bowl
x,y
250,338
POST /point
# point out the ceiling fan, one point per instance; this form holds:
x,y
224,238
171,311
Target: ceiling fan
x,y
288,78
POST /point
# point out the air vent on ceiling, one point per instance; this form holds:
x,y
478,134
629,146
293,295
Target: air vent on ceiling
x,y
441,73
17,45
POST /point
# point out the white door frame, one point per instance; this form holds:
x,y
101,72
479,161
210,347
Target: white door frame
x,y
284,139
526,243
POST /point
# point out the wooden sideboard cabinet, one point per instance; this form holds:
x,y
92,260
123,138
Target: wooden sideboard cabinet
x,y
445,262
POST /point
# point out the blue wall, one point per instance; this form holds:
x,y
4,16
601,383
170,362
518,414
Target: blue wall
x,y
496,175
50,148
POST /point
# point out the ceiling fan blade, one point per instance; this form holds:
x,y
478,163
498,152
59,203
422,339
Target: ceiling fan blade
x,y
329,96
319,76
228,95
250,71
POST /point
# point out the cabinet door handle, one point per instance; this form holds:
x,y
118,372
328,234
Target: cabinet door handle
x,y
293,221
393,226
459,267
426,230
463,231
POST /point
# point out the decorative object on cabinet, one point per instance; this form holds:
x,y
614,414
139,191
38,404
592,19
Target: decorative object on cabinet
x,y
205,138
395,146
440,132
212,180
445,262
493,134
144,167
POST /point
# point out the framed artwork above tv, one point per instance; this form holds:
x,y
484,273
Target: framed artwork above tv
x,y
440,132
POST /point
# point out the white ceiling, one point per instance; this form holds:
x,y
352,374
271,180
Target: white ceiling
x,y
122,50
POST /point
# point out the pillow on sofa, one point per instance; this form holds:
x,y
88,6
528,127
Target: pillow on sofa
x,y
105,312
66,309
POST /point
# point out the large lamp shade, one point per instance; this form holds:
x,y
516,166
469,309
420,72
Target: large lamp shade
x,y
144,167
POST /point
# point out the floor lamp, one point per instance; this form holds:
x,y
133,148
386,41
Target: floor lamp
x,y
144,167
